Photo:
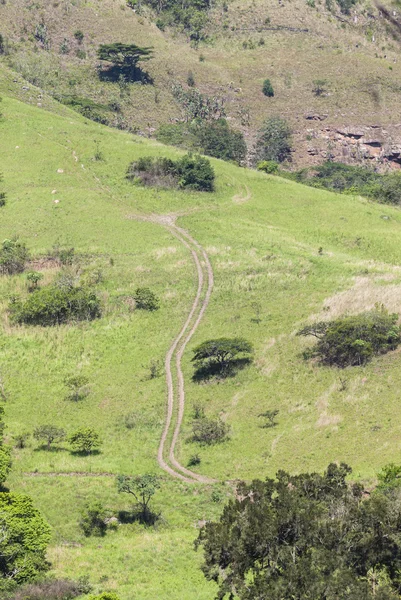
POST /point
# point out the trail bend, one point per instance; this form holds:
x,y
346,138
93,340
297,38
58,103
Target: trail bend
x,y
176,387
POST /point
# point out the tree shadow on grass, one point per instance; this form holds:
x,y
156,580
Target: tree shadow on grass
x,y
52,449
115,73
81,453
136,515
214,370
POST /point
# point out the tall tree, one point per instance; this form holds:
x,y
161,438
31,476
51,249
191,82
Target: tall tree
x,y
304,537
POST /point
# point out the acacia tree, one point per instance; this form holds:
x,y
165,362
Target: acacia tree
x,y
222,352
124,57
142,488
49,434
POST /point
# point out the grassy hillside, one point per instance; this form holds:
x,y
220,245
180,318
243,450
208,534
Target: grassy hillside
x,y
282,254
356,54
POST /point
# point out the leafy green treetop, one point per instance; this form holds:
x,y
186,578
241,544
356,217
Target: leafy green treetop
x,y
85,440
222,350
24,537
124,56
307,536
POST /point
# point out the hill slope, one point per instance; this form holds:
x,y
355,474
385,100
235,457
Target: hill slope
x,y
292,43
281,253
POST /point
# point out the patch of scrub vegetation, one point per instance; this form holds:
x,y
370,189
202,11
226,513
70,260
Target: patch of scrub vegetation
x,y
354,340
191,172
214,138
351,179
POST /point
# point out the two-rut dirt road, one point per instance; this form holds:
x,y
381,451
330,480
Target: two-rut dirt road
x,y
176,385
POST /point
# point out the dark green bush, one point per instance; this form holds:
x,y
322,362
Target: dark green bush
x,y
216,138
93,519
191,172
145,299
209,431
2,194
13,257
211,137
195,173
354,340
267,88
273,141
339,177
52,305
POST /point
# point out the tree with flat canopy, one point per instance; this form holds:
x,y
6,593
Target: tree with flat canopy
x,y
124,58
221,351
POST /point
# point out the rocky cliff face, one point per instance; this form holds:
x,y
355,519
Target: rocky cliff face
x,y
370,145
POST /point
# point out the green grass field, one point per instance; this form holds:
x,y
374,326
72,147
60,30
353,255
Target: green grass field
x,y
282,254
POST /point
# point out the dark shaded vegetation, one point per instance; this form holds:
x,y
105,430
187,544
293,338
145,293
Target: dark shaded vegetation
x,y
55,305
191,172
270,418
349,179
214,138
222,357
24,540
93,519
273,142
207,431
267,88
13,257
123,62
145,299
354,340
142,488
306,536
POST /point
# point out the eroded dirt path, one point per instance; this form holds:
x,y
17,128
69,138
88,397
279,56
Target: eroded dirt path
x,y
176,386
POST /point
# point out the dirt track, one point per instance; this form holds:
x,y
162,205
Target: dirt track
x,y
176,391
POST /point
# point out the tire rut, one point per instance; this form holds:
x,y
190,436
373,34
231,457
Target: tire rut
x,y
177,348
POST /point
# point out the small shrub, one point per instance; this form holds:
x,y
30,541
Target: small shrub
x,y
79,36
319,87
93,519
209,431
13,257
267,88
85,440
270,416
21,440
216,138
53,305
268,166
78,386
33,278
194,460
145,299
354,340
190,79
104,596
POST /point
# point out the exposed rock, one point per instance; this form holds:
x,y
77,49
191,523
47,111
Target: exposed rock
x,y
315,117
351,132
